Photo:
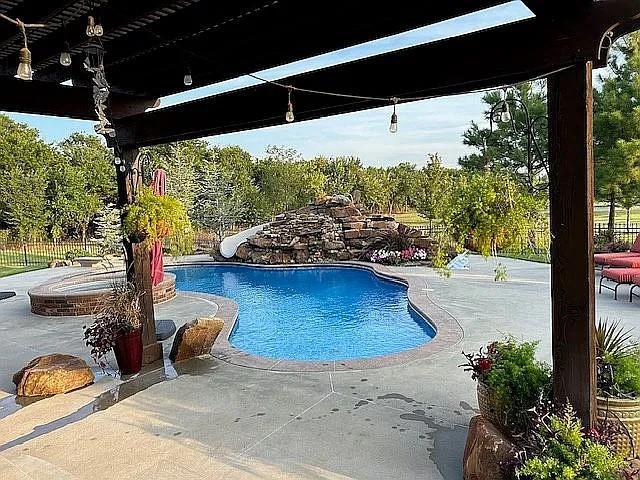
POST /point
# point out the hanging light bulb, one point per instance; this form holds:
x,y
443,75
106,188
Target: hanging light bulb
x,y
24,71
188,79
91,26
393,126
65,55
289,117
98,31
117,161
122,168
505,114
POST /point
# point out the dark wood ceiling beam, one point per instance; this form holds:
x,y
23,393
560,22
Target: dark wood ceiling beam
x,y
283,32
44,98
553,8
487,59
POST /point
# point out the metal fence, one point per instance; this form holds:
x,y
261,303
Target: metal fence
x,y
41,253
534,245
622,231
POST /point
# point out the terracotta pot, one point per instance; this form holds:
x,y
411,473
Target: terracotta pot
x,y
490,407
128,352
628,413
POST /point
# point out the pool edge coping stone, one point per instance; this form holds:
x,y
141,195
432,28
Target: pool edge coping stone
x,y
448,331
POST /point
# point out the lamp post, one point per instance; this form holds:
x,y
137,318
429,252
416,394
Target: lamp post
x,y
504,112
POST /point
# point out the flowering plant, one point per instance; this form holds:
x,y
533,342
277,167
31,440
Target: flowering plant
x,y
394,257
480,363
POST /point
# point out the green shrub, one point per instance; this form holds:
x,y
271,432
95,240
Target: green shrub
x,y
563,452
518,380
156,217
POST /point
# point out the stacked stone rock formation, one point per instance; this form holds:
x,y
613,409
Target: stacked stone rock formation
x,y
329,229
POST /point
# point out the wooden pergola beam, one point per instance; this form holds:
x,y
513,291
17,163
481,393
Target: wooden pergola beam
x,y
44,98
486,59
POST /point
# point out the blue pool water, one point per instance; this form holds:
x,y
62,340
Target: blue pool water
x,y
316,313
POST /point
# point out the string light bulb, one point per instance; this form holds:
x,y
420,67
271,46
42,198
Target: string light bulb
x,y
24,71
289,117
505,114
91,26
393,126
188,79
98,31
65,55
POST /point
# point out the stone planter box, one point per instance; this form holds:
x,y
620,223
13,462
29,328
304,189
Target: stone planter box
x,y
628,413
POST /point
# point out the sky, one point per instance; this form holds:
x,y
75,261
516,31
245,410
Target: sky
x,y
430,126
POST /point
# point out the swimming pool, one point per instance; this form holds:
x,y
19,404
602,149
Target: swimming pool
x,y
312,313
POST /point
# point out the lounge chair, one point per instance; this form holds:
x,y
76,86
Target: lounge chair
x,y
604,259
621,276
636,284
625,262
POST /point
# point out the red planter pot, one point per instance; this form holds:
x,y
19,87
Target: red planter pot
x,y
128,352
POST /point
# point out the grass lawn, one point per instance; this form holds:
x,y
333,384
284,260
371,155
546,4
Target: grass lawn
x,y
5,271
601,215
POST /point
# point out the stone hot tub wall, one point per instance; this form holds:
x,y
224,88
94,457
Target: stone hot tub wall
x,y
51,298
333,228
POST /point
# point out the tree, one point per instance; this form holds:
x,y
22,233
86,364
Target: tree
x,y
517,146
490,210
217,205
434,189
25,212
617,123
109,230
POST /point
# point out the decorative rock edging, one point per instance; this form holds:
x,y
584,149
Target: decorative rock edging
x,y
50,298
448,331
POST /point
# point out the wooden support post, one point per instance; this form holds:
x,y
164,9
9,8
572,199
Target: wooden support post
x,y
570,101
138,263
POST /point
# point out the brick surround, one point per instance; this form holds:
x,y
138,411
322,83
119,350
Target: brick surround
x,y
51,299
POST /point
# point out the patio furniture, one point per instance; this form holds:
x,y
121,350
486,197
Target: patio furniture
x,y
636,284
621,276
625,262
605,259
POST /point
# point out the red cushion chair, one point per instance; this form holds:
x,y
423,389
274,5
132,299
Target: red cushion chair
x,y
621,276
636,284
626,262
606,258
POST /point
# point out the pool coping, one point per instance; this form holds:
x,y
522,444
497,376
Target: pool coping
x,y
448,330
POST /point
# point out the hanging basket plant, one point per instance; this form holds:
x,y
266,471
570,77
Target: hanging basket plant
x,y
151,218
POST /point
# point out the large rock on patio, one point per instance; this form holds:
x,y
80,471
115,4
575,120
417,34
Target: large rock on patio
x,y
52,374
488,455
195,338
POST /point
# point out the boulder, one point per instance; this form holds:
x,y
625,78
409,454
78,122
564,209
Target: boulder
x,y
243,252
383,224
341,212
488,454
52,374
195,338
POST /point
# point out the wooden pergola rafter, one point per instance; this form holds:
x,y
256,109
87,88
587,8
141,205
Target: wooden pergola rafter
x,y
150,43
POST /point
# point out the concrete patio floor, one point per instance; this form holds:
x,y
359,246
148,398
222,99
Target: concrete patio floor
x,y
210,419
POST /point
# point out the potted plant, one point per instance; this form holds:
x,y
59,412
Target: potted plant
x,y
152,218
557,447
510,382
118,327
618,400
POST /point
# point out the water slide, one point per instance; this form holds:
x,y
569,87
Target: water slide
x,y
229,245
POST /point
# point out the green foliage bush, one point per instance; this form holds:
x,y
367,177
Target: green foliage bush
x,y
517,379
563,452
155,217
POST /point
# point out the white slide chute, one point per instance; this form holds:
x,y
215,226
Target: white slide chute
x,y
229,245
